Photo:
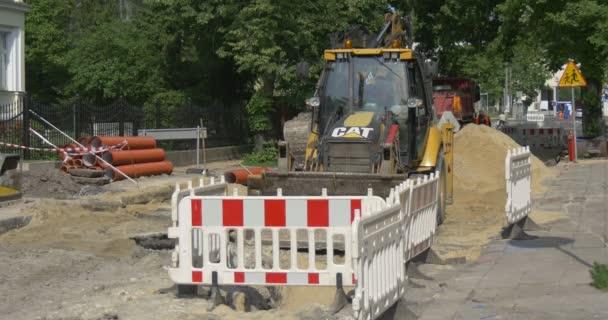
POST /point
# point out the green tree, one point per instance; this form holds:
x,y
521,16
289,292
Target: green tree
x,y
46,44
112,61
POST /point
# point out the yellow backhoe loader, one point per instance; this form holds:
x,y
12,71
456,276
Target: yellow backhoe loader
x,y
371,124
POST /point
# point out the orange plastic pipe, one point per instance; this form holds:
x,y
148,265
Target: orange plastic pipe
x,y
69,162
240,175
77,163
124,157
133,143
64,169
140,170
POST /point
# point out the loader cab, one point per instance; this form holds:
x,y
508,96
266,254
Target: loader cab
x,y
386,85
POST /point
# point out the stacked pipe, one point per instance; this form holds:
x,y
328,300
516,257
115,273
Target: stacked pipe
x,y
133,156
72,160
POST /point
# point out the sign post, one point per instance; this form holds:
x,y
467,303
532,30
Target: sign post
x,y
571,78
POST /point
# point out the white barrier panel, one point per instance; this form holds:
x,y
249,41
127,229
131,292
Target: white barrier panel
x,y
378,256
535,117
518,175
420,206
212,188
240,239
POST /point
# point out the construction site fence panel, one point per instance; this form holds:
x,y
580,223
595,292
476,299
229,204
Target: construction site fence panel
x,y
421,207
211,188
378,257
257,240
538,137
360,241
518,176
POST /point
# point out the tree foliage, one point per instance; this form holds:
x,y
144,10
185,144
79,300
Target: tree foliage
x,y
226,52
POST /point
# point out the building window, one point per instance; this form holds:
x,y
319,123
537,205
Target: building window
x,y
4,60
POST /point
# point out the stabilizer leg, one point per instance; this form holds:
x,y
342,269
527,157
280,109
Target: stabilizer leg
x,y
340,299
216,297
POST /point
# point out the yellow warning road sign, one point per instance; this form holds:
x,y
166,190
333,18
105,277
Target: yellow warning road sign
x,y
572,77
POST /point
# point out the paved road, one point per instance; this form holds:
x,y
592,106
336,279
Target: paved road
x,y
547,278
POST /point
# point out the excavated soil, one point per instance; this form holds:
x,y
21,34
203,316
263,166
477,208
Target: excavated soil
x,y
54,184
478,212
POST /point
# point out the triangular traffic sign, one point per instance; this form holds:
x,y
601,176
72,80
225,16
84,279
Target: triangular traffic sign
x,y
572,77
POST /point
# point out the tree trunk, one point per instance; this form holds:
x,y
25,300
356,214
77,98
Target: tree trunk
x,y
268,89
258,142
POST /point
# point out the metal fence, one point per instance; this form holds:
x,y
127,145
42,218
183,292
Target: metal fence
x,y
225,126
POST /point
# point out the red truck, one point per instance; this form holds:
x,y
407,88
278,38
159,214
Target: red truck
x,y
457,95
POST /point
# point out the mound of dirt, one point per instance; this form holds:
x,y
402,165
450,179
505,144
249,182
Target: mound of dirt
x,y
478,211
53,184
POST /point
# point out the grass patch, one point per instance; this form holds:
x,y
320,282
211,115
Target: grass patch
x,y
599,275
266,158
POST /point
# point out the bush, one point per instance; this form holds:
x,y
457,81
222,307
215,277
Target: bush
x,y
599,275
265,158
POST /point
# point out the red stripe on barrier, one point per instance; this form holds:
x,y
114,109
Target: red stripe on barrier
x,y
274,213
354,279
531,132
354,205
197,276
239,277
550,131
318,213
541,131
559,131
232,213
313,278
276,277
197,212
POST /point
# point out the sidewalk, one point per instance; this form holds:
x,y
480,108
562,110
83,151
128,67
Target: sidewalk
x,y
546,278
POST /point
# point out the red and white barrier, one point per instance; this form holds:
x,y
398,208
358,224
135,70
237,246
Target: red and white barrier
x,y
235,240
537,137
69,150
227,225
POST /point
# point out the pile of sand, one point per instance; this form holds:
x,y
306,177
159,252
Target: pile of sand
x,y
478,212
479,160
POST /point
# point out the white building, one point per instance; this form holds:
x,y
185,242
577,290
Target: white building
x,y
12,49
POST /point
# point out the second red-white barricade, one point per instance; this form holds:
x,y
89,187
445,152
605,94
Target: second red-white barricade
x,y
239,239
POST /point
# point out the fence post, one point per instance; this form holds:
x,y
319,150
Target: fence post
x,y
121,124
76,120
157,115
25,109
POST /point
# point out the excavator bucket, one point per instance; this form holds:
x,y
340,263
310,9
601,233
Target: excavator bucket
x,y
300,183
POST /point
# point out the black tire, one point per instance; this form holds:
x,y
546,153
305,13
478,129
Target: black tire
x,y
443,187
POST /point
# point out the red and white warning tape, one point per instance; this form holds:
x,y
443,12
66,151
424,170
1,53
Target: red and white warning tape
x,y
69,150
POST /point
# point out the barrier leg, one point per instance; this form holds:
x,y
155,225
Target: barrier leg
x,y
340,299
415,273
187,290
530,225
516,231
216,296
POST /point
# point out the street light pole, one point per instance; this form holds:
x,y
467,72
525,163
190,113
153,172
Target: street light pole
x,y
573,115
